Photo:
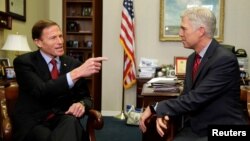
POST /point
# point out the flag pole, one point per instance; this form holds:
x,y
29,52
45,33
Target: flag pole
x,y
121,116
127,42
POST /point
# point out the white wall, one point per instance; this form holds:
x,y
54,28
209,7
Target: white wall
x,y
236,32
56,11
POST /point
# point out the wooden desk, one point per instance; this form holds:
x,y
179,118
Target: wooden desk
x,y
140,95
148,95
139,85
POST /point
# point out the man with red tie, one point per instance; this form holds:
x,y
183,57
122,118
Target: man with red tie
x,y
53,94
211,93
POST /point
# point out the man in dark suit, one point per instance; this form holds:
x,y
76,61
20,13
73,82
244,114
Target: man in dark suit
x,y
49,108
212,94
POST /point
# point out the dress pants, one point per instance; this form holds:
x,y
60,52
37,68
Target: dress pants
x,y
186,134
59,128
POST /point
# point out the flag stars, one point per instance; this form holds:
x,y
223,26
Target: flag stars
x,y
128,4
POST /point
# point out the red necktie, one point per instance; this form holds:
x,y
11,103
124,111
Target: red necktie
x,y
54,72
197,61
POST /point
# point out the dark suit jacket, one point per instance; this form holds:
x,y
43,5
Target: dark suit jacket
x,y
39,95
214,96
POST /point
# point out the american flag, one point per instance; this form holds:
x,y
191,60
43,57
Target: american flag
x,y
127,39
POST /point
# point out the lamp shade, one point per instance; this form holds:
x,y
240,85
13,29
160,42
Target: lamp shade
x,y
16,43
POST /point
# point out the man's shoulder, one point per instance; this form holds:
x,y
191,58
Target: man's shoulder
x,y
218,51
224,52
27,56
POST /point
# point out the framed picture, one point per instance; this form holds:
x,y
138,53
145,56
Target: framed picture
x,y
180,65
75,44
171,10
9,73
86,11
5,20
4,62
2,73
17,9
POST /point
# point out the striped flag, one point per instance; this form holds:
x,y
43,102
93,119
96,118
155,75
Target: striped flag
x,y
127,39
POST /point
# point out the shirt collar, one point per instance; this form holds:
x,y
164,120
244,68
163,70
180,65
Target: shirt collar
x,y
203,51
47,58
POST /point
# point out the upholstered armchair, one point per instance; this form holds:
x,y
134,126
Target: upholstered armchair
x,y
10,94
245,99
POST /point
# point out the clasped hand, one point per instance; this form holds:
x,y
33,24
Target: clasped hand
x,y
161,122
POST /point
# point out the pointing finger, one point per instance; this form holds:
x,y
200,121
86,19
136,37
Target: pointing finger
x,y
101,59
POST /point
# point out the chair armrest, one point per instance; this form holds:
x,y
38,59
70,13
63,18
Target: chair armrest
x,y
151,121
248,104
152,134
6,126
94,122
95,119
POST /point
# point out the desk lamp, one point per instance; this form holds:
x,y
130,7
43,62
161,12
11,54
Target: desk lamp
x,y
16,42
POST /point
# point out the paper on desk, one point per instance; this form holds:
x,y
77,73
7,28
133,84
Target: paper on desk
x,y
146,63
174,89
165,80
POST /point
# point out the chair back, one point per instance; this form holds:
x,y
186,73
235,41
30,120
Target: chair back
x,y
11,94
7,106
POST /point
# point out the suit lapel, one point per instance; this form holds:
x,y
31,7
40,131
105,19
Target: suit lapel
x,y
42,66
205,59
190,69
64,65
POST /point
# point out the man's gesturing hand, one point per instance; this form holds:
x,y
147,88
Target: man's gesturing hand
x,y
89,67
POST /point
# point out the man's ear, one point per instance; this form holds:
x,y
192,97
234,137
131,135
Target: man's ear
x,y
38,42
202,31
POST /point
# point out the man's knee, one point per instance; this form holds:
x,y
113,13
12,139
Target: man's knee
x,y
70,120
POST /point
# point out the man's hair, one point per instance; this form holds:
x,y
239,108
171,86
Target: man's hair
x,y
39,26
202,17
